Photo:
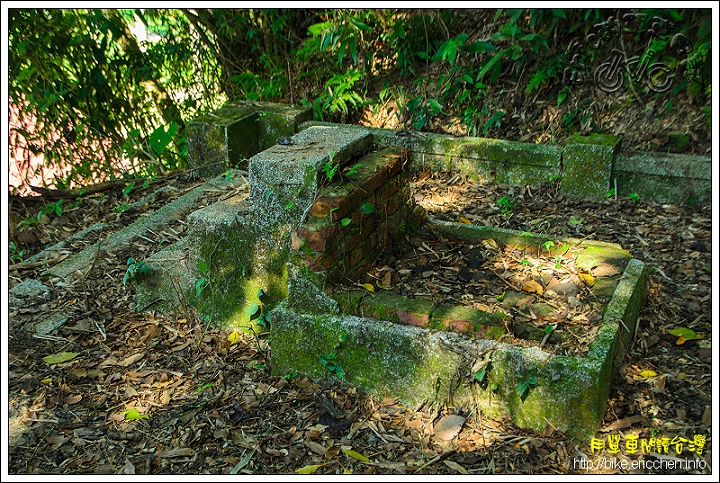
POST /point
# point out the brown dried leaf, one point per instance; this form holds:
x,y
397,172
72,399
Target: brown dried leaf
x,y
622,423
449,426
176,452
131,359
707,416
451,464
315,447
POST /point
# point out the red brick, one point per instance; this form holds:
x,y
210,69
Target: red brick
x,y
319,238
410,318
386,191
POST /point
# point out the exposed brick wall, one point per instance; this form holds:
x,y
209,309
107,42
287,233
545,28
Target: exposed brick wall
x,y
324,244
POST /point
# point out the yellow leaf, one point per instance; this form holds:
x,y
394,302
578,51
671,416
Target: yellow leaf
x,y
648,373
356,455
369,287
680,340
587,279
490,244
47,380
133,414
308,470
532,286
462,219
234,337
60,357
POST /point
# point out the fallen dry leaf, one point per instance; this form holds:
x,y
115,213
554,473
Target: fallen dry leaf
x,y
176,452
456,467
449,426
131,359
531,286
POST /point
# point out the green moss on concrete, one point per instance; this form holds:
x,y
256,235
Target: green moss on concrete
x,y
588,164
223,139
592,255
495,333
448,314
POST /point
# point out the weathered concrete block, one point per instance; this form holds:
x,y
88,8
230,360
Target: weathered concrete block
x,y
588,165
239,130
669,178
220,140
177,209
284,179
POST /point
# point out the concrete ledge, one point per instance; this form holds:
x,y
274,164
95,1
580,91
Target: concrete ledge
x,y
176,209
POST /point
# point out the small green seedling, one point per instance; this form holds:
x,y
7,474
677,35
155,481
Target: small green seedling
x,y
549,245
523,387
367,208
634,196
525,262
18,254
134,267
353,170
610,193
328,360
128,189
345,221
51,208
506,203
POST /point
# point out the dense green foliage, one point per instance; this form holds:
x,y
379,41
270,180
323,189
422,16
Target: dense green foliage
x,y
98,102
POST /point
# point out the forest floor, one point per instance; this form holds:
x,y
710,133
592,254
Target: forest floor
x,y
152,394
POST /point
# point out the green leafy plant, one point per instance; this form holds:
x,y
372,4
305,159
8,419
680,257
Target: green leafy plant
x,y
329,360
329,169
523,387
134,268
367,208
634,196
51,208
256,311
548,245
128,189
345,221
525,262
17,255
505,202
610,193
354,169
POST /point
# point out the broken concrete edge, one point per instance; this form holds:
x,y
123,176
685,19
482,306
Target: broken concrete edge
x,y
676,178
122,238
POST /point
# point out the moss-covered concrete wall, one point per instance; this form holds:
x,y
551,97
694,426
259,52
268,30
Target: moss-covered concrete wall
x,y
587,165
